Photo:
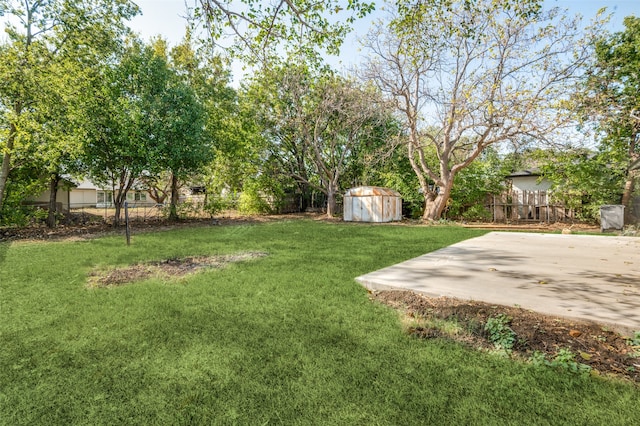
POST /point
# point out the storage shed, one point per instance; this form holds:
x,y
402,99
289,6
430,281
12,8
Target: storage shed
x,y
372,204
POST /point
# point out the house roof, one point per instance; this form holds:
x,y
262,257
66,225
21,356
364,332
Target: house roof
x,y
524,173
87,184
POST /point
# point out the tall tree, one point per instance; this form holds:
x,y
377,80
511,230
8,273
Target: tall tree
x,y
284,96
42,36
123,120
479,72
314,122
207,75
612,99
146,118
343,117
180,144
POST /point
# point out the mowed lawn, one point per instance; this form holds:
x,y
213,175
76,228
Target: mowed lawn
x,y
289,339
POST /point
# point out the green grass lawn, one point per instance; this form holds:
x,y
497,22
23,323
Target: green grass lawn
x,y
290,339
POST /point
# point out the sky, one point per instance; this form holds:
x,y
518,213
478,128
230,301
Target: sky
x,y
166,18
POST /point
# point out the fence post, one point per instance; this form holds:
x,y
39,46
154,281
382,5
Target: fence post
x,y
126,221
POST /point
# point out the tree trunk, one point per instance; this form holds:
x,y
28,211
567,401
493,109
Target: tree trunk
x,y
331,202
627,197
434,204
118,209
119,197
173,209
53,196
304,196
6,162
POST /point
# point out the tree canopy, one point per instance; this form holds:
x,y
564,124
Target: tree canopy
x,y
49,43
262,30
612,99
469,74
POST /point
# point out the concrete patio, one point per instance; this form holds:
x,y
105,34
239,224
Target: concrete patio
x,y
594,278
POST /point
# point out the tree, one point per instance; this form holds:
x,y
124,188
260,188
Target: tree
x,y
123,120
343,116
55,140
44,35
313,123
465,75
283,94
612,99
583,179
263,29
180,148
146,117
208,77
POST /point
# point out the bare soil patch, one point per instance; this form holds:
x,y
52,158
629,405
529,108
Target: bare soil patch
x,y
603,350
165,269
567,228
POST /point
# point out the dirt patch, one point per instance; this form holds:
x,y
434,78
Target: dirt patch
x,y
565,228
597,348
165,269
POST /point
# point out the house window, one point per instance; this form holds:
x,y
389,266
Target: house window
x,y
137,196
105,198
140,196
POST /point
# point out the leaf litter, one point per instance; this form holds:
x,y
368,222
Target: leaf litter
x,y
602,349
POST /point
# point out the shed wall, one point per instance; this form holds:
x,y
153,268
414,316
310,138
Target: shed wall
x,y
376,208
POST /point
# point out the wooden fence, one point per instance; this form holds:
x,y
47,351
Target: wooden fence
x,y
528,206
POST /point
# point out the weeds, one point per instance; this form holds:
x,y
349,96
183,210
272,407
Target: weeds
x,y
499,332
564,359
635,340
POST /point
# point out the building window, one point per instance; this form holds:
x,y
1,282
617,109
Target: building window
x,y
137,196
105,198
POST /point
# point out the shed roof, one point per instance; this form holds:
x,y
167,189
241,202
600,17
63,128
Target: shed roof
x,y
371,191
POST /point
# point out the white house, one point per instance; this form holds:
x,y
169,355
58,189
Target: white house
x,y
528,180
529,194
88,194
63,197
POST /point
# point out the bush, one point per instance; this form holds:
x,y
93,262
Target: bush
x,y
215,205
477,212
21,216
252,202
